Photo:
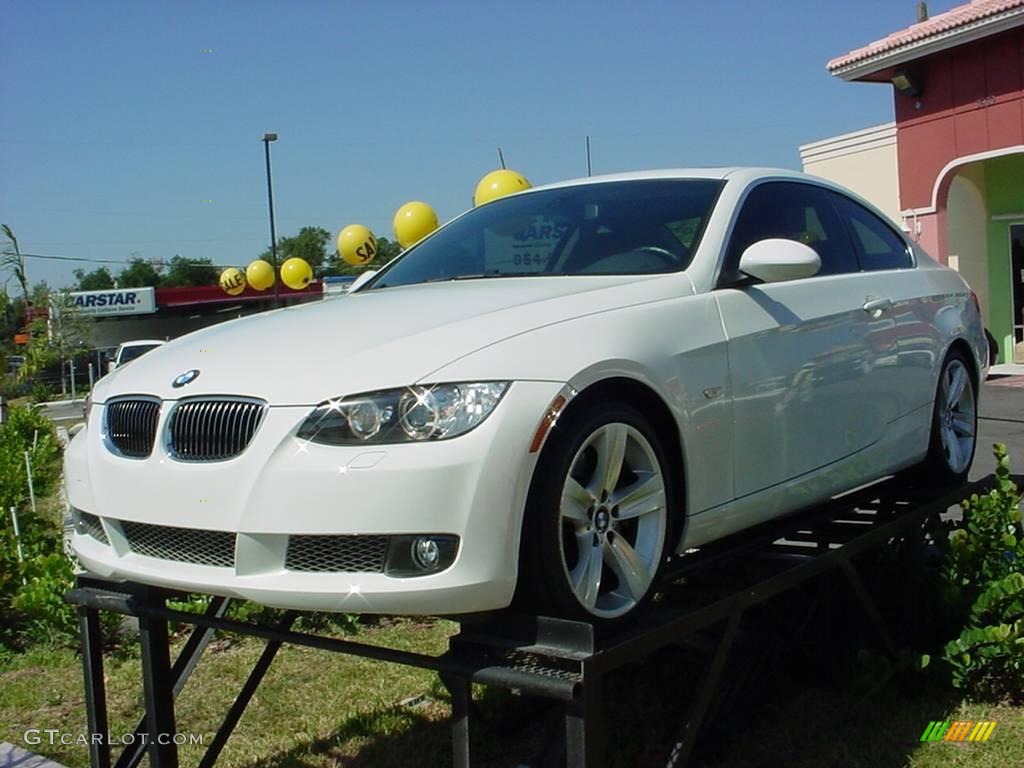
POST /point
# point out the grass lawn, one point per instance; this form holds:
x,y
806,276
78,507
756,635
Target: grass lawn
x,y
313,708
319,709
816,704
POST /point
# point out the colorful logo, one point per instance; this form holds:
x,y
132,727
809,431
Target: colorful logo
x,y
958,730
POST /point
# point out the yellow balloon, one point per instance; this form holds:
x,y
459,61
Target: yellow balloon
x,y
413,222
260,274
232,280
498,184
296,273
357,245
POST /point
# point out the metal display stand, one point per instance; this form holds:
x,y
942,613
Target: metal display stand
x,y
561,661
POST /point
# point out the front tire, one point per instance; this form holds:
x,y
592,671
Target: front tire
x,y
954,423
598,516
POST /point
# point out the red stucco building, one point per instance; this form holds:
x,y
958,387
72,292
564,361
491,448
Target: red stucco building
x,y
958,89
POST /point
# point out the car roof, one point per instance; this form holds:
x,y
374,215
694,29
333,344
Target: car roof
x,y
738,173
743,176
141,342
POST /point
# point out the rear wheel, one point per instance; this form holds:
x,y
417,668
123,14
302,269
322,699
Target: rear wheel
x,y
954,422
598,517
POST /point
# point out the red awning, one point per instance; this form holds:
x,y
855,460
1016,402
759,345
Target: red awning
x,y
211,295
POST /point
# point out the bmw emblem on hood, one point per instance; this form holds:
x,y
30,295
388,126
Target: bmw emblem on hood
x,y
186,378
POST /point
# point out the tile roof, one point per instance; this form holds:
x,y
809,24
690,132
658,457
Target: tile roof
x,y
948,22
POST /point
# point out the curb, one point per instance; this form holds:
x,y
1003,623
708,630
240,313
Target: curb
x,y
48,403
16,757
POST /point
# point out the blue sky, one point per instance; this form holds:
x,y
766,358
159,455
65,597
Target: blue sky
x,y
117,125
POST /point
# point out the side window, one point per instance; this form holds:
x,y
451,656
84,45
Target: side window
x,y
792,211
878,246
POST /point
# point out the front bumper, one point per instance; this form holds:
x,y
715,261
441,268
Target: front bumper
x,y
473,487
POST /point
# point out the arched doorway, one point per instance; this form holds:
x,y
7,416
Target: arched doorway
x,y
982,204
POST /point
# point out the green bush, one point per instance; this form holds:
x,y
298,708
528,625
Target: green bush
x,y
12,387
45,616
982,573
27,430
31,592
39,392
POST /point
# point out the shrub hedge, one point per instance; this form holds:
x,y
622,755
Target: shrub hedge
x,y
31,590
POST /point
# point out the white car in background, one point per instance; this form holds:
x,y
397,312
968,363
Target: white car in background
x,y
132,350
543,400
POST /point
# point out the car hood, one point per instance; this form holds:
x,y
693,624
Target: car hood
x,y
375,339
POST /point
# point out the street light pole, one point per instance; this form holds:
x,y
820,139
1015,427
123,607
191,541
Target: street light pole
x,y
267,138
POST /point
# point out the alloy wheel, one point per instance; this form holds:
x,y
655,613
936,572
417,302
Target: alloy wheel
x,y
613,520
957,416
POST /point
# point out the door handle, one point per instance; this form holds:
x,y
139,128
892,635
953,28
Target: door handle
x,y
875,307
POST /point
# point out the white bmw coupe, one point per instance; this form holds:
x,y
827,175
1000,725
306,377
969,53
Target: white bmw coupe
x,y
543,400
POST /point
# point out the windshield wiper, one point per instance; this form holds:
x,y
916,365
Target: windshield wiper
x,y
480,276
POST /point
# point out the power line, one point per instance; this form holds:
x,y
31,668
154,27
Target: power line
x,y
161,242
681,132
49,257
159,263
146,214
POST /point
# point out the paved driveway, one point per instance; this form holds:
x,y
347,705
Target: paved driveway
x,y
65,410
1000,420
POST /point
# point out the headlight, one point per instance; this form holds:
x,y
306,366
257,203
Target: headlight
x,y
409,415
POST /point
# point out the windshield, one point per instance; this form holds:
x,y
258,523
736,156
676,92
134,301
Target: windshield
x,y
130,353
604,228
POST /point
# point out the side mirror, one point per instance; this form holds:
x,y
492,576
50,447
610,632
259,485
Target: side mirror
x,y
775,260
362,280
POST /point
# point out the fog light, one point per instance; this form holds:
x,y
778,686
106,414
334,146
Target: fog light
x,y
420,554
425,553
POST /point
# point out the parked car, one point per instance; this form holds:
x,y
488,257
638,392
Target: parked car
x,y
543,400
132,350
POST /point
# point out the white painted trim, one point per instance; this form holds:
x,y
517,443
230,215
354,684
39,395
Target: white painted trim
x,y
1012,218
956,163
966,159
1014,325
941,41
876,137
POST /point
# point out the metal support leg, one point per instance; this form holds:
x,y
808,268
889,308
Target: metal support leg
x,y
584,729
699,708
869,606
184,664
245,695
462,703
158,691
91,637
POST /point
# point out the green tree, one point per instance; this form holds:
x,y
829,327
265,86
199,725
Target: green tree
x,y
138,274
310,244
12,259
182,272
11,311
98,280
39,295
63,335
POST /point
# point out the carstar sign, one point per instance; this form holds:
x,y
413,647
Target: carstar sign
x,y
123,301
